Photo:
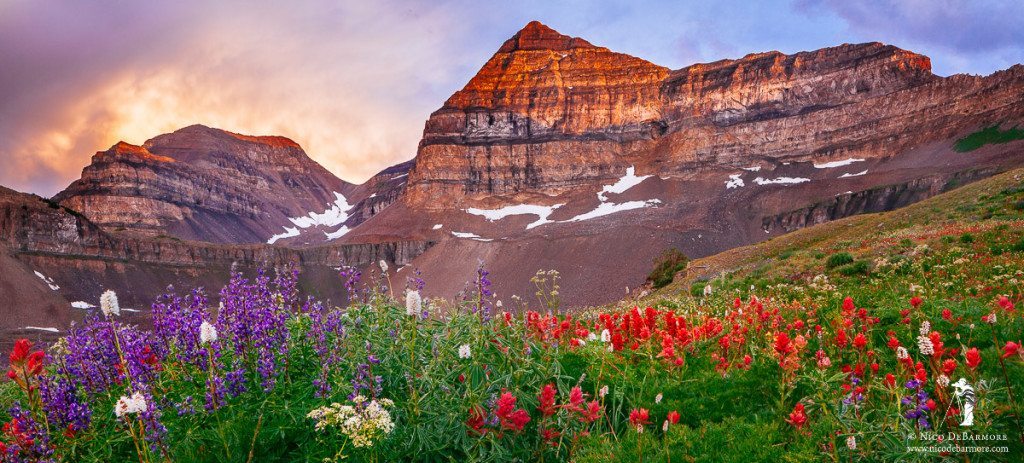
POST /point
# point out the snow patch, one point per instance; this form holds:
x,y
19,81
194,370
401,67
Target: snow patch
x,y
734,181
338,233
752,169
780,180
471,236
627,181
336,215
844,162
604,209
43,328
49,281
82,305
542,212
858,174
288,233
436,226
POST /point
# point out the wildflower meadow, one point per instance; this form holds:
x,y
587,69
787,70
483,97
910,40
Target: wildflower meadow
x,y
918,358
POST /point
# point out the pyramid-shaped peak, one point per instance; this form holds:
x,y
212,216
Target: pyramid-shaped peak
x,y
537,36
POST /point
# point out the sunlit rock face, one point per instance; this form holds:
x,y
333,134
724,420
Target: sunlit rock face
x,y
202,183
549,113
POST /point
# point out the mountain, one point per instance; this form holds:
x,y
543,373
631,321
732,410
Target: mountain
x,y
204,183
558,154
561,154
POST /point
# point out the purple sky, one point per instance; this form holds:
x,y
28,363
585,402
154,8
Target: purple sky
x,y
354,81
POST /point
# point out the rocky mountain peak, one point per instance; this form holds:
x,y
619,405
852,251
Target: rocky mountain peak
x,y
125,150
199,141
537,36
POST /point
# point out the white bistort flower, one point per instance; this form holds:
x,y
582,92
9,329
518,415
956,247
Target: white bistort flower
x,y
926,327
413,303
851,443
207,333
901,353
383,266
108,304
464,352
603,391
130,405
606,336
657,398
925,345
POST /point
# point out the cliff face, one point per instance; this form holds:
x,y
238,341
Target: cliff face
x,y
83,260
550,113
202,183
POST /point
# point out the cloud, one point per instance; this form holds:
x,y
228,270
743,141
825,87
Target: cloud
x,y
352,83
978,36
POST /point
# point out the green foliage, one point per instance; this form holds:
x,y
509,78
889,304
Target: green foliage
x,y
986,136
666,266
855,268
837,259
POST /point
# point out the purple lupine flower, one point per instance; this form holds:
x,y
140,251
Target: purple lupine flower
x,y
483,292
415,282
253,321
351,277
176,323
326,331
31,443
64,406
916,402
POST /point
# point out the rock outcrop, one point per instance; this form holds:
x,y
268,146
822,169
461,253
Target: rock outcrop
x,y
549,113
202,183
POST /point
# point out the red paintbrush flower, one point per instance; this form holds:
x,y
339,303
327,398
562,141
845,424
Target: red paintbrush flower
x,y
592,413
639,417
673,417
949,366
860,341
916,301
797,417
547,400
783,345
1011,349
973,358
890,380
20,352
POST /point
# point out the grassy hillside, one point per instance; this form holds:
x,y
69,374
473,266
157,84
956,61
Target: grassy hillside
x,y
836,343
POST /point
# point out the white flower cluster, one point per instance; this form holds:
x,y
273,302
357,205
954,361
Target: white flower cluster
x,y
820,282
207,333
464,352
606,336
901,353
108,304
851,443
413,303
925,345
363,424
926,327
130,405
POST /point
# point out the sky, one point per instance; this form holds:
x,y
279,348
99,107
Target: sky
x,y
354,81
